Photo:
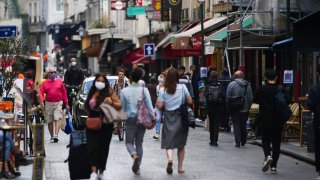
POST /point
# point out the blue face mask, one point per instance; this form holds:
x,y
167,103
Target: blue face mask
x,y
53,75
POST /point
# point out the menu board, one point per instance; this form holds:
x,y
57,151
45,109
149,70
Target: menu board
x,y
307,134
38,138
38,164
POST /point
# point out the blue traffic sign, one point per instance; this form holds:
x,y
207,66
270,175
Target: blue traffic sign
x,y
8,31
149,49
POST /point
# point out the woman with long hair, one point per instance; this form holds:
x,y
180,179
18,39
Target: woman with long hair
x,y
174,133
135,132
99,140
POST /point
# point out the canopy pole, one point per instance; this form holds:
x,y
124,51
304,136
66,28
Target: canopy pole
x,y
227,57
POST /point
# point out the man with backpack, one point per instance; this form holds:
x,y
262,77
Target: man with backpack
x,y
239,99
215,105
271,123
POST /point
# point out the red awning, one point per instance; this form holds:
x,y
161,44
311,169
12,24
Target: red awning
x,y
168,52
135,57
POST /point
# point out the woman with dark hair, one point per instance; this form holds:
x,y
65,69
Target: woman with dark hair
x,y
99,140
135,132
174,134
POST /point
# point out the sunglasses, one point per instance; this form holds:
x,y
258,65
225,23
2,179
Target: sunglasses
x,y
52,72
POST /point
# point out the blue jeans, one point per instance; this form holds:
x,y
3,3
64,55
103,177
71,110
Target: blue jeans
x,y
9,144
159,116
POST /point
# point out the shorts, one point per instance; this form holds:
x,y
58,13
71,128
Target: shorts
x,y
53,111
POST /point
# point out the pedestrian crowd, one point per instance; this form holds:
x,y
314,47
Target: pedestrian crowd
x,y
227,98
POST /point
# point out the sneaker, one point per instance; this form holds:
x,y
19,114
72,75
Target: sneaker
x,y
93,176
266,164
55,139
135,165
237,145
103,176
273,170
156,137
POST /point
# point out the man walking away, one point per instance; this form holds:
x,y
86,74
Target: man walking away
x,y
313,104
224,80
56,95
185,79
271,126
239,89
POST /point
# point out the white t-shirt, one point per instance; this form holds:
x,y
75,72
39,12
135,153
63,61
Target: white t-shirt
x,y
173,101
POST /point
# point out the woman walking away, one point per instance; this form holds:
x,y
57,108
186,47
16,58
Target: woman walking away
x,y
99,140
135,132
174,134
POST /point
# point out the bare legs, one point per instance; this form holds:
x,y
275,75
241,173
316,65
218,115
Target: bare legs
x,y
181,154
57,125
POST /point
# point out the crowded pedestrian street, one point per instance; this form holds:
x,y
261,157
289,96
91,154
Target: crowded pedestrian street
x,y
202,162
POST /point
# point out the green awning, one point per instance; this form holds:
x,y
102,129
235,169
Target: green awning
x,y
222,33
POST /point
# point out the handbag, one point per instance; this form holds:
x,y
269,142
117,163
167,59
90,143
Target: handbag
x,y
67,128
94,123
187,115
112,115
143,116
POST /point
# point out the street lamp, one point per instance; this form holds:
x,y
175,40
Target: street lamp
x,y
56,33
202,32
149,15
112,30
81,31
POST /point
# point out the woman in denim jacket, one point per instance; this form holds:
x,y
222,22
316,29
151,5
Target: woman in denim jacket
x,y
135,132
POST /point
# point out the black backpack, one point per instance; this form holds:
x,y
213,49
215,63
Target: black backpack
x,y
282,108
214,95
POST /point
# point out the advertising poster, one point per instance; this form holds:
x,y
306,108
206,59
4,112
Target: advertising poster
x,y
288,77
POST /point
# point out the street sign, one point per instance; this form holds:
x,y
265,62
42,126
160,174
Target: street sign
x,y
136,10
8,31
148,50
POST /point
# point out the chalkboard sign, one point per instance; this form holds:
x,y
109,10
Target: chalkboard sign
x,y
307,134
38,138
37,173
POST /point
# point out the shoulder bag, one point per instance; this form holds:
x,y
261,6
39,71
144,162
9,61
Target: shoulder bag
x,y
94,123
187,116
111,114
143,116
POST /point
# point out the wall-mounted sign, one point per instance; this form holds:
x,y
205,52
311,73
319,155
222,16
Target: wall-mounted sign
x,y
287,76
139,2
130,4
118,5
136,10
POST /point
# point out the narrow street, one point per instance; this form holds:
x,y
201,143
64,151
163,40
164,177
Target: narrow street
x,y
202,161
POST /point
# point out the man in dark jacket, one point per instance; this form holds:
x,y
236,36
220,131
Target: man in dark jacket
x,y
313,104
271,125
240,88
224,80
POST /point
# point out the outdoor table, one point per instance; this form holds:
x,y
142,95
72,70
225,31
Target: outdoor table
x,y
6,128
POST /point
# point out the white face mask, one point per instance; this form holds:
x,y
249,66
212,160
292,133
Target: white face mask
x,y
160,79
100,85
73,64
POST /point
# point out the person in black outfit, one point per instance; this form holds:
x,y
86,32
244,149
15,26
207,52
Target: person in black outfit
x,y
99,140
195,78
73,78
271,126
214,109
313,103
224,80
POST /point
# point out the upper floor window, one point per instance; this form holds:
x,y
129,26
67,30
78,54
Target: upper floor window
x,y
59,5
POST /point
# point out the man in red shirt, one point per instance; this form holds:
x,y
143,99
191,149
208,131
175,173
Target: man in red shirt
x,y
55,95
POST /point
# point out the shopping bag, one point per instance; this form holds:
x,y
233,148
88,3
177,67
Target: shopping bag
x,y
68,125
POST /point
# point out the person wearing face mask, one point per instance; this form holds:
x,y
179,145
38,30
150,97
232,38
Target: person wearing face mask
x,y
55,96
99,140
73,78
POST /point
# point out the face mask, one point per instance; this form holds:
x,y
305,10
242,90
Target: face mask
x,y
73,64
100,85
53,75
160,79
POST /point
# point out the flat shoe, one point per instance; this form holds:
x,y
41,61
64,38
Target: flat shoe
x,y
181,171
135,166
169,168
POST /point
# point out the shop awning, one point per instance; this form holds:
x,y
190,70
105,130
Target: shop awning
x,y
209,24
169,52
222,33
135,57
